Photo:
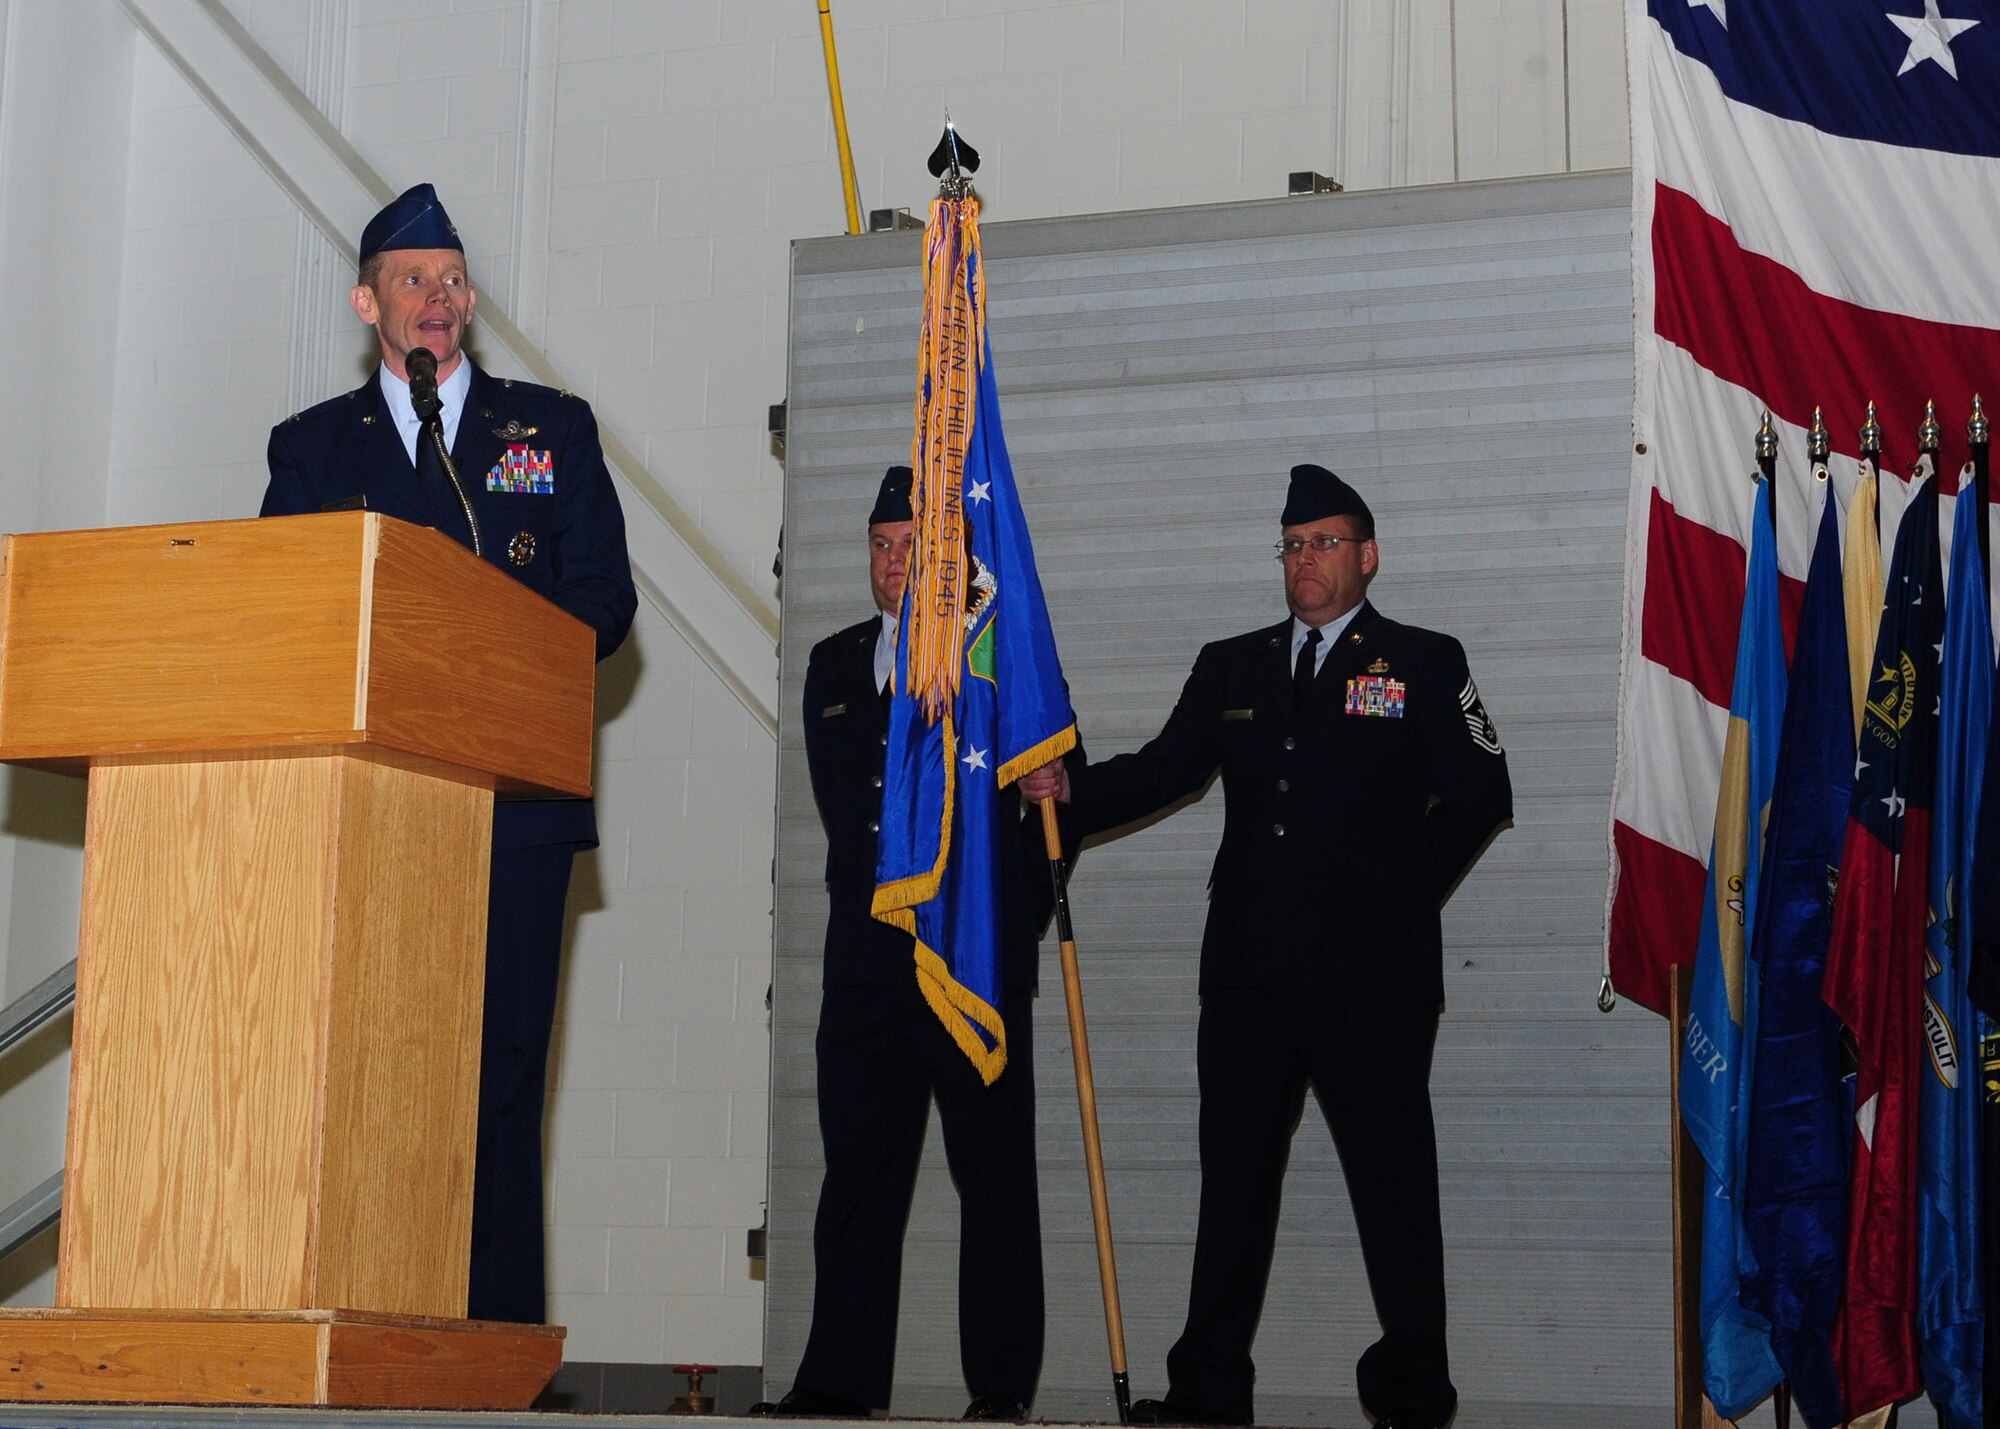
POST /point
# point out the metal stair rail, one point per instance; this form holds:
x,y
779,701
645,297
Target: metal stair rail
x,y
54,995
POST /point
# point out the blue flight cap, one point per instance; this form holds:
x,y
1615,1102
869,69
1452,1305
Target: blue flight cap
x,y
892,498
413,219
1316,494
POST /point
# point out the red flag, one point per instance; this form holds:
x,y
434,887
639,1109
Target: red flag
x,y
1874,968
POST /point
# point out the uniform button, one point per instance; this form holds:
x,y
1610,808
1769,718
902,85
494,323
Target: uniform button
x,y
1291,743
1283,785
874,826
885,740
1278,830
876,781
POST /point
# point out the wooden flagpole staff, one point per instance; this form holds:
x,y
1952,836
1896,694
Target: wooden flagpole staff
x,y
1086,1105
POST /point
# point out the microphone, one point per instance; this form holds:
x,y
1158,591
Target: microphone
x,y
422,365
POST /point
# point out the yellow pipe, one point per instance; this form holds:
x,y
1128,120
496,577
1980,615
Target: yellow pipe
x,y
839,118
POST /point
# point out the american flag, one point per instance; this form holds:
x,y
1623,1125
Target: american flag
x,y
1816,194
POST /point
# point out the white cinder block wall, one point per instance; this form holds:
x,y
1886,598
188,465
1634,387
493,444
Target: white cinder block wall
x,y
628,175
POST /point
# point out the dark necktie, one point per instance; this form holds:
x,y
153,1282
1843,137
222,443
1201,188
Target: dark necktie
x,y
432,489
430,472
1304,671
436,488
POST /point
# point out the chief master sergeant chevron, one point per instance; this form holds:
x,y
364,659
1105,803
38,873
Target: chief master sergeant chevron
x,y
534,480
1362,779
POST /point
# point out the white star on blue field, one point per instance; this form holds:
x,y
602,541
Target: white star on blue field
x,y
1930,38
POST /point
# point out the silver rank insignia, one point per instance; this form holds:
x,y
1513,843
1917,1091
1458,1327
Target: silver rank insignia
x,y
1478,723
514,431
521,549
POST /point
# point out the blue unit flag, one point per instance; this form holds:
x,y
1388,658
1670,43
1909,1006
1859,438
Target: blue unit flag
x,y
980,698
1795,1152
1738,1366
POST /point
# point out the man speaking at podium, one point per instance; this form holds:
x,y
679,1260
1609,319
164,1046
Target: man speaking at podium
x,y
527,489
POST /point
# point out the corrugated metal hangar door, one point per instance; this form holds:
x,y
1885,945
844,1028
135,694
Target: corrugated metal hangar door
x,y
1463,355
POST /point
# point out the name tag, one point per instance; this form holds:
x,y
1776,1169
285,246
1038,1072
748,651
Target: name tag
x,y
1375,695
831,710
1238,714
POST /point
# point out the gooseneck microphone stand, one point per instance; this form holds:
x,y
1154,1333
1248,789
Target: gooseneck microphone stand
x,y
421,363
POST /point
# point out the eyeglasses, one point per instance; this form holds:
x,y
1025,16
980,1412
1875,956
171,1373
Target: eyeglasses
x,y
1321,543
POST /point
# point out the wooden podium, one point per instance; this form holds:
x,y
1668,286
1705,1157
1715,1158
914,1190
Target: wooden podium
x,y
294,730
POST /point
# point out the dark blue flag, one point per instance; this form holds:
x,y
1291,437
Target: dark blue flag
x,y
1950,1298
1984,986
1795,1177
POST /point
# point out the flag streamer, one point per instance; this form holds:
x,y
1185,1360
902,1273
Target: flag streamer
x,y
952,333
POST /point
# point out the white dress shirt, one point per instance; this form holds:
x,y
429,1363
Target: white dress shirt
x,y
451,398
1328,633
885,650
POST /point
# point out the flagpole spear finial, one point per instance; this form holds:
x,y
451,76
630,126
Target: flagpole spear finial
x,y
953,163
1979,433
1767,457
1818,443
1871,438
1929,433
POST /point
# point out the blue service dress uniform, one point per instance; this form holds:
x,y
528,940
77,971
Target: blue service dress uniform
x,y
568,544
882,1053
1347,822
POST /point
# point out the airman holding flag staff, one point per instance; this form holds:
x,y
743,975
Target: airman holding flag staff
x,y
883,1053
918,735
1363,778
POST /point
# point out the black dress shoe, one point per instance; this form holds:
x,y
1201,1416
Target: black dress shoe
x,y
1404,1419
996,1407
1180,1409
803,1403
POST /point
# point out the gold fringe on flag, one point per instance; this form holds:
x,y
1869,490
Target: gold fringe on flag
x,y
950,346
